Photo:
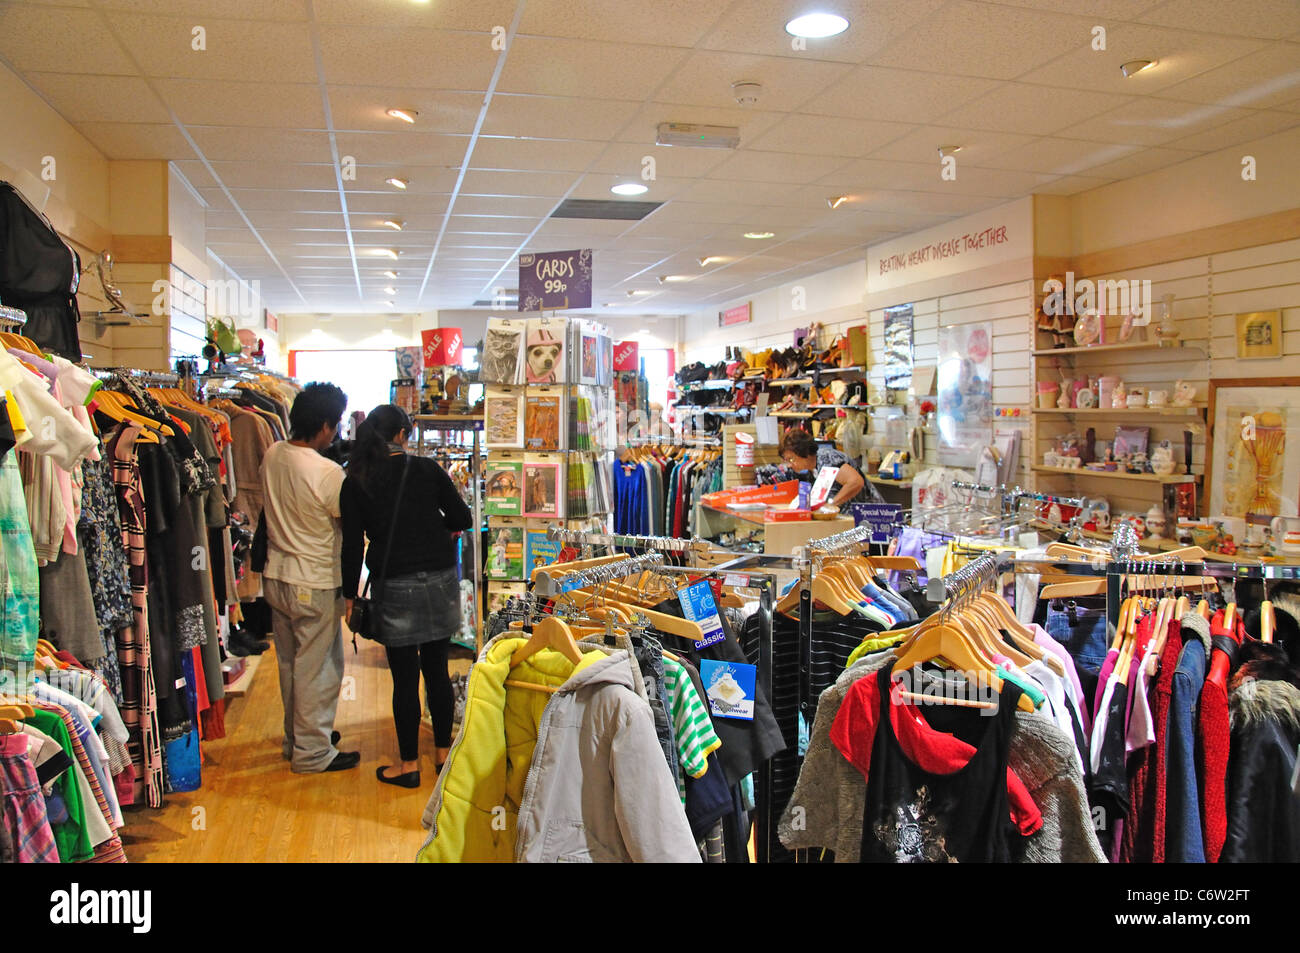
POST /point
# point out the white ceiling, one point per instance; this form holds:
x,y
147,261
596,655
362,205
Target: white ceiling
x,y
258,121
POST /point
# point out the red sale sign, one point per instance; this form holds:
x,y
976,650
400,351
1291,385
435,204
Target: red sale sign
x,y
626,356
442,346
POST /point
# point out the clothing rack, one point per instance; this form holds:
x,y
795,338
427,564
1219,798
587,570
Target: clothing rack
x,y
12,317
978,574
147,378
577,537
595,575
673,440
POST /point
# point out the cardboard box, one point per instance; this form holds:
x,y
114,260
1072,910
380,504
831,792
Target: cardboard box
x,y
777,515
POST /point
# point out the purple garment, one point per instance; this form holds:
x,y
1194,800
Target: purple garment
x,y
914,542
1108,666
46,368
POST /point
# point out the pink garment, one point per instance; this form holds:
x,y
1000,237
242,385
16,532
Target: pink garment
x,y
1141,724
1041,637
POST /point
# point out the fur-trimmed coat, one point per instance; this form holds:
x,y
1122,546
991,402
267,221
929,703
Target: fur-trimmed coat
x,y
1263,809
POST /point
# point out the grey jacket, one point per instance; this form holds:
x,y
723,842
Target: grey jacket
x,y
597,790
826,808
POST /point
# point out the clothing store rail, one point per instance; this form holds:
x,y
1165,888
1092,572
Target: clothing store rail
x,y
580,579
838,541
138,375
12,317
978,574
575,537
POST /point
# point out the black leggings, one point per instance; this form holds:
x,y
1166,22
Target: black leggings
x,y
406,664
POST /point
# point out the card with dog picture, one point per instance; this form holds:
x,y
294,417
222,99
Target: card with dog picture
x,y
544,356
544,413
542,489
503,419
503,482
502,361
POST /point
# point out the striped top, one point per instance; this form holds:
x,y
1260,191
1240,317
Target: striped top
x,y
696,739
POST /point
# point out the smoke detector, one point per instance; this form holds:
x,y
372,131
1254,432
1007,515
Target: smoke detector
x,y
746,92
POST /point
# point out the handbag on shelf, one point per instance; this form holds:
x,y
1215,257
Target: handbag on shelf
x,y
363,620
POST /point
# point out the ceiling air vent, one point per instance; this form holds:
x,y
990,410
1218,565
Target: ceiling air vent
x,y
613,209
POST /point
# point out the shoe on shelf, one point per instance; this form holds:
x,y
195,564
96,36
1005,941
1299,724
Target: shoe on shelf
x,y
344,761
409,780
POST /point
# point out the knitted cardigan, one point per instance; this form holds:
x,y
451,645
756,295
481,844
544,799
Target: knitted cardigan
x,y
826,808
1213,741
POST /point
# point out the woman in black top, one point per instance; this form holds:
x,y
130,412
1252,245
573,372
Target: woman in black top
x,y
418,603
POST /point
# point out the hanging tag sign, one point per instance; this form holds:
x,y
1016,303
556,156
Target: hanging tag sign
x,y
821,490
736,580
882,517
699,606
730,688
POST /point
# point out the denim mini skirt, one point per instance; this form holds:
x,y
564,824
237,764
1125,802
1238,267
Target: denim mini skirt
x,y
419,607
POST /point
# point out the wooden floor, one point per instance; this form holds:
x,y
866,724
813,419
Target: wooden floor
x,y
251,808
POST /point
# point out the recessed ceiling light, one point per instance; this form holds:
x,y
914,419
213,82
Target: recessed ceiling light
x,y
394,224
709,259
389,303
945,151
760,234
835,201
390,274
665,279
630,188
816,26
388,252
638,291
398,183
390,291
406,115
1133,67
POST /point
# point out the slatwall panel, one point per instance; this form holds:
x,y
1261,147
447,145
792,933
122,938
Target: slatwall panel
x,y
1255,279
90,298
188,325
142,342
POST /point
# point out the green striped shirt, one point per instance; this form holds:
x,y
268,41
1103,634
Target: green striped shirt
x,y
696,739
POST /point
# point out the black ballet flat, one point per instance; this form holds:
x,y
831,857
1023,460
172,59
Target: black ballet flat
x,y
409,780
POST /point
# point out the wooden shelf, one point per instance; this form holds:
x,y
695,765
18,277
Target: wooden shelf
x,y
886,481
241,685
802,414
721,411
791,382
725,384
1118,474
1100,348
748,516
858,368
839,406
1194,411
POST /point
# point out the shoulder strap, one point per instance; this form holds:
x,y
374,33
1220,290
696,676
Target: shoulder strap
x,y
392,526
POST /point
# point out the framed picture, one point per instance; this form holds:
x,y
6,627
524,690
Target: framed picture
x,y
1259,334
1253,450
542,490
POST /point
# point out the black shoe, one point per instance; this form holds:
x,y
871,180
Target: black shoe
x,y
344,761
409,780
335,737
243,644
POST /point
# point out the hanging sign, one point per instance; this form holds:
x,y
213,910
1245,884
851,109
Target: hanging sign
x,y
821,490
744,449
730,687
555,280
627,356
699,606
740,314
882,517
442,347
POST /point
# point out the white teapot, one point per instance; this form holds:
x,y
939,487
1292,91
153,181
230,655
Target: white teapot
x,y
1162,459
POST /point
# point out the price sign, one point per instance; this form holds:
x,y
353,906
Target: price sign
x,y
699,606
553,281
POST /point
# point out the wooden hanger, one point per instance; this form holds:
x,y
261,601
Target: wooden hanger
x,y
1021,634
556,570
548,633
944,641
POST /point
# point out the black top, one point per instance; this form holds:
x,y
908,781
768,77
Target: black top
x,y
40,274
913,816
431,510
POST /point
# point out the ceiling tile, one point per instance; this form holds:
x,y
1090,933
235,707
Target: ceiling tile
x,y
1140,163
705,79
398,15
1263,18
1033,110
507,205
557,67
549,184
1179,54
127,140
1266,78
1110,9
1153,122
546,155
238,143
861,174
711,210
283,200
629,159
420,179
895,95
674,23
1059,156
552,117
230,9
597,185
923,145
646,120
37,37
82,98
1072,185
275,175
1255,125
413,149
363,108
757,26
235,49
419,59
827,135
776,167
976,39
